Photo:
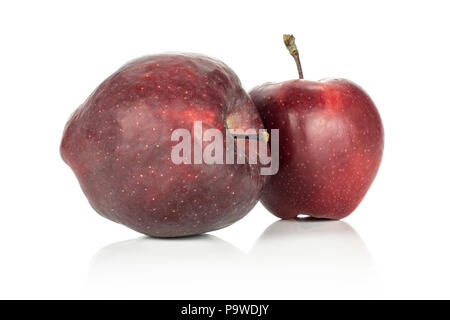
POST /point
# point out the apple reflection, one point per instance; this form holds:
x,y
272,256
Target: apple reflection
x,y
312,254
164,268
292,259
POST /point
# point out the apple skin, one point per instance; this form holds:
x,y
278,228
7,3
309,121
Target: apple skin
x,y
118,143
331,145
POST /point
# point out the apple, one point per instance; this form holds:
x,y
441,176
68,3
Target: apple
x,y
119,144
331,144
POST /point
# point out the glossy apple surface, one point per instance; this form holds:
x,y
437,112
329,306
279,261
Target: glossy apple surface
x,y
118,143
331,145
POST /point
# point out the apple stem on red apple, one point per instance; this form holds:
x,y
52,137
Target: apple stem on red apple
x,y
289,41
262,136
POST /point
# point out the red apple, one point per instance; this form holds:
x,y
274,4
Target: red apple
x,y
331,144
119,143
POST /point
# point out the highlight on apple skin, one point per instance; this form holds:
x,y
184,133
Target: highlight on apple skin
x,y
118,143
331,144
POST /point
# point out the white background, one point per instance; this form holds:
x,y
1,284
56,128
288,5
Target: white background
x,y
395,245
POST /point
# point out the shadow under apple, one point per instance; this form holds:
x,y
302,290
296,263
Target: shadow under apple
x,y
164,267
301,258
311,253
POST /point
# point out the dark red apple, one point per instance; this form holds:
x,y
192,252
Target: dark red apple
x,y
119,145
331,144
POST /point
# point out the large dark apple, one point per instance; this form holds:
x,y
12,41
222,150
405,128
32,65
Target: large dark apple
x,y
118,143
331,144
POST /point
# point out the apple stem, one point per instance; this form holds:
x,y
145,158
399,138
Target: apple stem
x,y
289,41
262,136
